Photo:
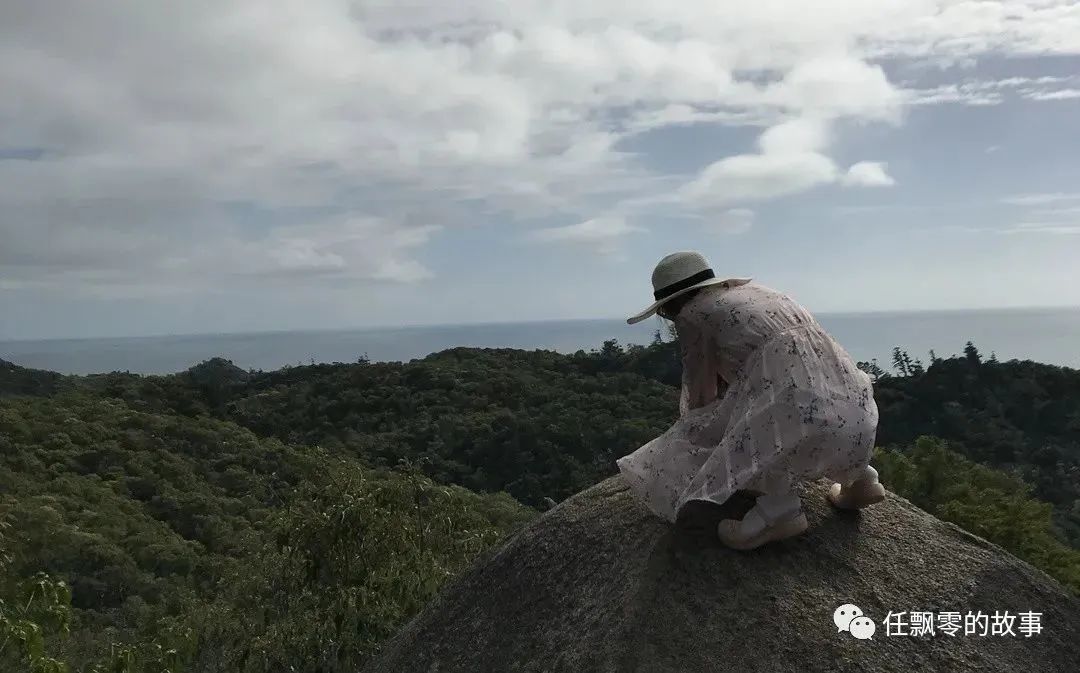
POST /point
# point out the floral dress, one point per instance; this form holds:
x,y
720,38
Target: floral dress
x,y
768,399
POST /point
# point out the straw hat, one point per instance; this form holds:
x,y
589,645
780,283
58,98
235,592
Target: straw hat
x,y
679,273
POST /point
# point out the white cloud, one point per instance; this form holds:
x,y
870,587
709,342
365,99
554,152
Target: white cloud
x,y
1059,228
358,249
1040,199
839,86
756,177
1060,94
166,130
1053,213
734,221
791,161
1057,212
679,114
955,93
101,261
867,174
795,136
979,92
601,234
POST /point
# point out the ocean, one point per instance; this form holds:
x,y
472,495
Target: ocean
x,y
1044,335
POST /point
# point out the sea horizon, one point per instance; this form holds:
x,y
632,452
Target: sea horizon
x,y
387,328
1047,335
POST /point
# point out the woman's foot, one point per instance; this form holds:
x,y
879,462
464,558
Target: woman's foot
x,y
753,530
862,493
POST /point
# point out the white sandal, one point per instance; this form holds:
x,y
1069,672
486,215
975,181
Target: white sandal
x,y
731,531
860,494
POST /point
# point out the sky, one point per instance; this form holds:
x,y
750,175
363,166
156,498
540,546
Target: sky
x,y
243,165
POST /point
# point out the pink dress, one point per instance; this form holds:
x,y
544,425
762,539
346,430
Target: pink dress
x,y
795,406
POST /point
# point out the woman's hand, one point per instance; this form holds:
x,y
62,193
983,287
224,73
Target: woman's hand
x,y
721,387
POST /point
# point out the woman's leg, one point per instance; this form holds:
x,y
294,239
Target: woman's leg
x,y
777,514
779,506
861,488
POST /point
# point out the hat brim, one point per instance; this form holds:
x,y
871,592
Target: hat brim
x,y
730,282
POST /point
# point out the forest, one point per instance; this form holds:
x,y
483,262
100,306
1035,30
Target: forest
x,y
224,519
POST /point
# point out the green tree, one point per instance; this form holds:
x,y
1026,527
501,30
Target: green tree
x,y
900,361
34,612
989,503
972,354
873,369
352,560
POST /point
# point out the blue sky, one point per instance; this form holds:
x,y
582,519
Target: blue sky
x,y
227,166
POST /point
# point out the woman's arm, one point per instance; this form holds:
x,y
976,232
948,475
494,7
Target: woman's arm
x,y
699,376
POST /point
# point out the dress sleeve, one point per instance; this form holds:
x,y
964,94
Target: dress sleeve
x,y
699,375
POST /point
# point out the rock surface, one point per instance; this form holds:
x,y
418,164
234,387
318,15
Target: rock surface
x,y
598,584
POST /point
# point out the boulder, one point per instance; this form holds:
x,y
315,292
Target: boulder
x,y
600,584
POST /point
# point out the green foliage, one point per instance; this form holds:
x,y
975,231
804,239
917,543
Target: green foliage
x,y
873,369
30,609
905,365
164,525
35,618
532,424
16,380
219,519
987,502
1021,417
354,558
971,353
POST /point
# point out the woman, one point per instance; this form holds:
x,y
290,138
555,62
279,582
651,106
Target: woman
x,y
768,399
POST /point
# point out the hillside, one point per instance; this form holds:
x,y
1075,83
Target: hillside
x,y
16,380
172,531
533,424
539,424
171,505
1020,416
